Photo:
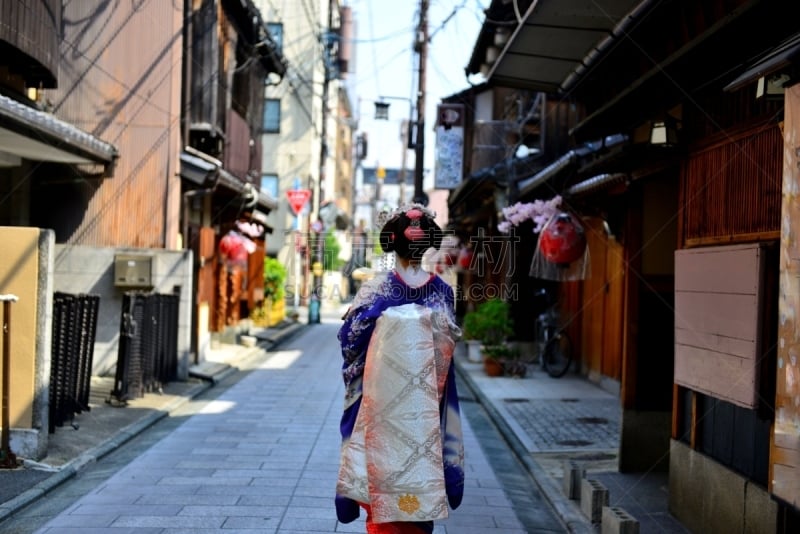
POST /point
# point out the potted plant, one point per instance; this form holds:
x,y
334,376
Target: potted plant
x,y
495,358
472,336
488,326
273,310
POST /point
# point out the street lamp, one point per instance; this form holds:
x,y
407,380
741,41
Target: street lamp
x,y
382,108
382,113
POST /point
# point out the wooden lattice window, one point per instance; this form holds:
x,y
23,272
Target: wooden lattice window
x,y
731,191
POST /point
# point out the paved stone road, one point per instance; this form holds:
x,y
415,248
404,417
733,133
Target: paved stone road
x,y
263,457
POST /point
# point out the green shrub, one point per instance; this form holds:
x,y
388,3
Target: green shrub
x,y
331,260
490,322
274,279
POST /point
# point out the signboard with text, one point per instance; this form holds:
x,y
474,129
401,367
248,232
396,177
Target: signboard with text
x,y
449,146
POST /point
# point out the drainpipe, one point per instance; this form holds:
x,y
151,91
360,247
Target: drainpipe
x,y
548,172
186,96
565,161
596,182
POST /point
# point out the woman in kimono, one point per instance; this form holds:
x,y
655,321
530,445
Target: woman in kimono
x,y
402,450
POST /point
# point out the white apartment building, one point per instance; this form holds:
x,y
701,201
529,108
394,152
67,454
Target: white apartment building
x,y
297,116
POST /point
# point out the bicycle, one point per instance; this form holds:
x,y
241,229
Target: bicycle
x,y
553,342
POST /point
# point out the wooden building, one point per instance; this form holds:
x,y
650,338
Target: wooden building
x,y
228,55
683,168
133,128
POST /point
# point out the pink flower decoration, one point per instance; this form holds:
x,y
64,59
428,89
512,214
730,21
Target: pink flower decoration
x,y
414,233
413,214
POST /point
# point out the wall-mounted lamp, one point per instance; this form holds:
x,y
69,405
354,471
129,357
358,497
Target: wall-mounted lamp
x,y
382,111
500,200
771,86
523,151
664,132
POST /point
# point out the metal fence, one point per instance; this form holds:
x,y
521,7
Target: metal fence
x,y
74,331
148,346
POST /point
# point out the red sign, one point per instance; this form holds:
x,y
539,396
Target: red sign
x,y
298,198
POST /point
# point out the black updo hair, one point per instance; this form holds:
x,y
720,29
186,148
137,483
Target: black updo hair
x,y
393,239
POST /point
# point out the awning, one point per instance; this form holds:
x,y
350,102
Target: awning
x,y
784,56
28,133
197,169
205,171
551,43
723,46
578,47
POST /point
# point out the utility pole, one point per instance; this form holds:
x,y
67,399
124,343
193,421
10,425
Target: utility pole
x,y
316,229
405,130
421,48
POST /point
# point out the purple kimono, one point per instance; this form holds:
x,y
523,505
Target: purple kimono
x,y
375,296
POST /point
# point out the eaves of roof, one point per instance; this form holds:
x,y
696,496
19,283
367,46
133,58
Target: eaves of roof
x,y
32,128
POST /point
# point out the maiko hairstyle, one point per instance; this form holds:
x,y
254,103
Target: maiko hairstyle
x,y
410,232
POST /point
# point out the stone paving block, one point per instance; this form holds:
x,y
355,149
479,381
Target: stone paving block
x,y
84,521
263,457
147,521
306,524
594,496
567,424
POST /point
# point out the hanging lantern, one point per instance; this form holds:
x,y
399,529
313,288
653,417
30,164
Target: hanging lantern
x,y
465,258
233,248
563,240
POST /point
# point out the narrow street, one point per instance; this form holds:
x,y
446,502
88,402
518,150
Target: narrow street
x,y
259,453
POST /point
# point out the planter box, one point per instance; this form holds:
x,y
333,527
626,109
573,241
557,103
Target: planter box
x,y
474,352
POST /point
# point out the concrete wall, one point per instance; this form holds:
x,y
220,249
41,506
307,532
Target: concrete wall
x,y
85,269
25,272
710,498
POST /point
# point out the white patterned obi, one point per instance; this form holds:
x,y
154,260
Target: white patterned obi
x,y
393,459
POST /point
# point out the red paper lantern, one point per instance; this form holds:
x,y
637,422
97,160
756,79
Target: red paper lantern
x,y
232,248
563,240
465,258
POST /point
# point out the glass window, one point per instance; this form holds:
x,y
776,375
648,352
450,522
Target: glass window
x,y
276,32
269,184
272,115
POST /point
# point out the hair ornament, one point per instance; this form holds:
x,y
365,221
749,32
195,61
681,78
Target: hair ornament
x,y
412,211
414,232
413,214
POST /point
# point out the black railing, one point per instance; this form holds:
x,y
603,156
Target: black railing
x,y
74,331
148,345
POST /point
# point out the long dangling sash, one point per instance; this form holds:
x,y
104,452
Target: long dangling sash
x,y
393,459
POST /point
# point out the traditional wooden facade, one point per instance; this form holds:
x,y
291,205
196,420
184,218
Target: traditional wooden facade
x,y
687,312
127,126
228,55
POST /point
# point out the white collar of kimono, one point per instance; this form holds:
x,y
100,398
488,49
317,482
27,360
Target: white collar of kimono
x,y
413,275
